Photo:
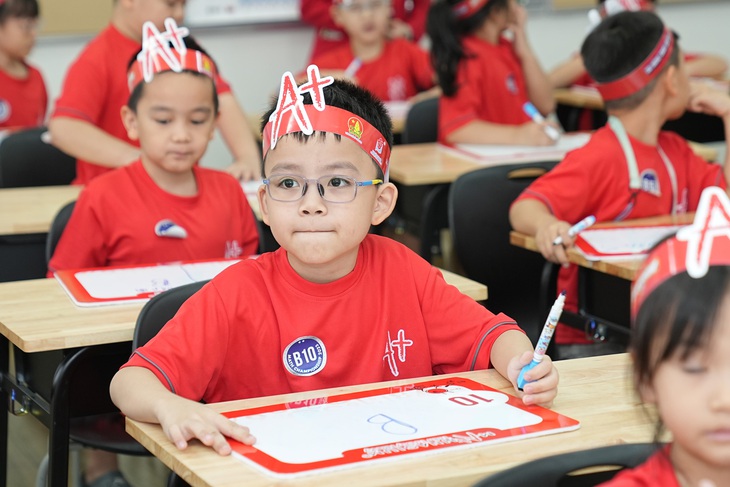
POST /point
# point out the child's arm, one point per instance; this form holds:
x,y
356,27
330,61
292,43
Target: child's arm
x,y
139,394
539,88
566,73
510,353
705,99
239,138
707,66
482,132
84,140
531,217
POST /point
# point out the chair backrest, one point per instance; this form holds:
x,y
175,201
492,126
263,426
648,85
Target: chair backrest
x,y
159,310
58,225
421,123
28,159
553,471
478,210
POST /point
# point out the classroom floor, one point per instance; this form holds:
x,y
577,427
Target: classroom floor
x,y
28,444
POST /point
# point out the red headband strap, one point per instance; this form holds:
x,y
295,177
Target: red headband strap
x,y
466,8
292,115
643,74
157,56
694,249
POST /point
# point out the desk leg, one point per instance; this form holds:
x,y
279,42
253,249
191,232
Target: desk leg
x,y
5,398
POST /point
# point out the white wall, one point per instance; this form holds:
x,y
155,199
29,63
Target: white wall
x,y
252,58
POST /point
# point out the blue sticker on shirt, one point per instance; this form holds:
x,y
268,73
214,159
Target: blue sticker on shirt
x,y
5,110
168,228
305,356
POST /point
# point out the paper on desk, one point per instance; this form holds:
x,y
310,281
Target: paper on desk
x,y
621,243
504,154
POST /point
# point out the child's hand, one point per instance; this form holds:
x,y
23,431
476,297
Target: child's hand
x,y
532,133
547,234
399,30
542,380
183,420
705,99
244,171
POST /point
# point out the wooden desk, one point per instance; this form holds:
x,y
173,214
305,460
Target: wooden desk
x,y
31,210
38,316
625,269
596,391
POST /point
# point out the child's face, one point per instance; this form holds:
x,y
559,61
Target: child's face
x,y
156,11
17,36
365,21
693,399
174,122
322,238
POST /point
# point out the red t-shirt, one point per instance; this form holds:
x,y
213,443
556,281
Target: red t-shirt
x,y
594,180
23,102
95,90
260,329
120,218
490,87
328,36
656,470
401,71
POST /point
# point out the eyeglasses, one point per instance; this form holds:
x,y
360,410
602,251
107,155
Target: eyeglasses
x,y
333,188
360,7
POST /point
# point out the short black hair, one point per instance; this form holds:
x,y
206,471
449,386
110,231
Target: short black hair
x,y
138,90
347,96
619,44
677,319
19,8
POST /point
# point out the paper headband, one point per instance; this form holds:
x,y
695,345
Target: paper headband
x,y
292,115
467,8
643,74
694,249
166,51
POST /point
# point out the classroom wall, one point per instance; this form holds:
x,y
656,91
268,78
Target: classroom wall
x,y
252,57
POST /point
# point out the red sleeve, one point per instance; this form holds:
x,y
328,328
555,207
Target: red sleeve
x,y
417,18
700,173
422,69
461,332
82,98
317,13
458,110
82,244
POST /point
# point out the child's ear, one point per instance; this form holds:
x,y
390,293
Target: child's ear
x,y
647,394
671,80
384,202
129,119
263,208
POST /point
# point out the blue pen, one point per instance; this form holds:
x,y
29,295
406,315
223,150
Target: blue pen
x,y
576,229
544,341
537,117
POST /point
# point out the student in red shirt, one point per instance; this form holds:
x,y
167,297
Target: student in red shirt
x,y
365,308
23,97
392,70
680,338
486,78
630,168
407,22
85,122
163,207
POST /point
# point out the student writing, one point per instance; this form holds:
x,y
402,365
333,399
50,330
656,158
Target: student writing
x,y
630,168
85,122
486,77
366,307
23,97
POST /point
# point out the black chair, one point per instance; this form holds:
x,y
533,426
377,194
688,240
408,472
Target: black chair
x,y
562,470
27,160
422,209
56,230
478,210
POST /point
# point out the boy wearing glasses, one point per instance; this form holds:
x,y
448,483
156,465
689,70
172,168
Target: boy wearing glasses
x,y
335,305
391,69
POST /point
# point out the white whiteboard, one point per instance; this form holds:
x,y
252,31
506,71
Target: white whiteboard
x,y
202,13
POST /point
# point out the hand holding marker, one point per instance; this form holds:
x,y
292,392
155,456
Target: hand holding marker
x,y
576,229
544,341
537,117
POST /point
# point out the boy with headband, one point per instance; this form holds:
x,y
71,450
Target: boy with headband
x,y
361,308
630,168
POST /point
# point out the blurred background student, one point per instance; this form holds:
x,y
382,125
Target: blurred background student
x,y
23,97
487,70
